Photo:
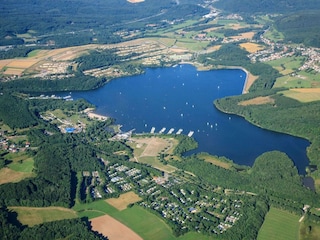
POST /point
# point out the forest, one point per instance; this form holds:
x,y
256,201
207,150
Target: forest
x,y
77,22
267,6
301,28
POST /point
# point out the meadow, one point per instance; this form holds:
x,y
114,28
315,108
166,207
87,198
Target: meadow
x,y
32,216
20,166
279,225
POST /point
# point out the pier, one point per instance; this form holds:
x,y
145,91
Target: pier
x,y
162,130
179,131
171,131
190,133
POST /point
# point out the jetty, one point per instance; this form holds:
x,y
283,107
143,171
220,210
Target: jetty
x,y
152,130
179,131
162,130
171,131
190,133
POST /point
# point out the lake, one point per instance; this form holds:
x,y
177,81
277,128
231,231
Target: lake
x,y
182,98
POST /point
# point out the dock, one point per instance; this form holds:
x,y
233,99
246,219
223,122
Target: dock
x,y
171,131
190,133
179,131
162,130
152,130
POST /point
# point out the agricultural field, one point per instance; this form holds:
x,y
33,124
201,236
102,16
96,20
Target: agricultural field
x,y
251,47
32,216
303,94
278,225
113,229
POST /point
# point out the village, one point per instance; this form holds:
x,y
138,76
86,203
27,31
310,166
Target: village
x,y
172,196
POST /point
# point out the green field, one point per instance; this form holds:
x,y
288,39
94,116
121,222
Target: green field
x,y
154,162
287,65
20,162
279,225
32,216
34,53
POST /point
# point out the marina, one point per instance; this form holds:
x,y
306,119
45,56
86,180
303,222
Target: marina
x,y
171,131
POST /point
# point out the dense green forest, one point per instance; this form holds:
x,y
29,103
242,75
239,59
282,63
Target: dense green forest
x,y
267,6
78,82
79,22
301,28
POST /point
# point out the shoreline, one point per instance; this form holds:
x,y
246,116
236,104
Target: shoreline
x,y
250,78
92,115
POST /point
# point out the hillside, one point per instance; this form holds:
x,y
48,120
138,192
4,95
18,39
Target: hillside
x,y
267,6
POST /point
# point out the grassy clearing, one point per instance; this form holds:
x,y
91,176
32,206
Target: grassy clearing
x,y
23,166
154,162
274,35
10,176
257,101
20,167
309,231
20,162
124,200
94,209
32,216
215,161
278,225
34,53
192,44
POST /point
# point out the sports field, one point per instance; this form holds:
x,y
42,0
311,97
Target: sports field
x,y
279,225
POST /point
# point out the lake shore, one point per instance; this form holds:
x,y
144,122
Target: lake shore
x,y
250,78
92,115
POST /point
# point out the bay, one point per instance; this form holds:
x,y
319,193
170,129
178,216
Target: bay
x,y
182,98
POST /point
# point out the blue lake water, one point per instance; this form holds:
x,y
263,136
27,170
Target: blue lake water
x,y
182,98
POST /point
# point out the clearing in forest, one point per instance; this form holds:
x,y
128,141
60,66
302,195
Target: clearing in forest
x,y
10,176
257,101
32,216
